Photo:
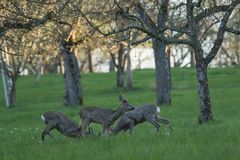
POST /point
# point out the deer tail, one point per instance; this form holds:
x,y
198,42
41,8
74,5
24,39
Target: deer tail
x,y
158,109
43,118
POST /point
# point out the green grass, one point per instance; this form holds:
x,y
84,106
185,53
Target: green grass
x,y
20,127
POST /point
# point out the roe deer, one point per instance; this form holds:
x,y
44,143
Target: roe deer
x,y
104,116
56,120
139,115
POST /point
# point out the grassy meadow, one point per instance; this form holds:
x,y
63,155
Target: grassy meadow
x,y
21,126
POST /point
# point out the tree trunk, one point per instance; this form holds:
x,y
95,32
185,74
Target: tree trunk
x,y
192,60
60,64
73,88
203,89
12,93
4,79
204,95
162,71
111,64
38,69
238,57
169,53
128,71
120,67
89,55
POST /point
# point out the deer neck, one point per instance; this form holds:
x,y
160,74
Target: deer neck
x,y
117,114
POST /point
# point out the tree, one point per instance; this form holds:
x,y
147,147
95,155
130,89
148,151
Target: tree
x,y
73,89
201,61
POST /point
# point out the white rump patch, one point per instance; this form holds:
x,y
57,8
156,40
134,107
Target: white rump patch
x,y
43,118
158,109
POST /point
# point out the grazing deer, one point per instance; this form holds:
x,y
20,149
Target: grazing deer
x,y
56,120
139,115
104,116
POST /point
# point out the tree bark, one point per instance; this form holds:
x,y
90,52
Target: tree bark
x,y
38,69
111,64
89,55
4,79
73,88
162,71
192,60
120,67
203,88
238,57
12,93
204,95
128,71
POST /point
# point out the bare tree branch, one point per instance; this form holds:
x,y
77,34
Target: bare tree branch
x,y
221,31
232,30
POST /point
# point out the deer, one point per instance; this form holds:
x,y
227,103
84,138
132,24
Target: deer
x,y
139,115
103,116
58,121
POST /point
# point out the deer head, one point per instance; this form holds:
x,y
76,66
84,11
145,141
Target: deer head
x,y
124,104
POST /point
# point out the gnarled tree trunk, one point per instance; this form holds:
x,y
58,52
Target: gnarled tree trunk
x,y
73,88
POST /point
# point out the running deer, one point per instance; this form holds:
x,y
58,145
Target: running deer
x,y
56,120
104,116
139,115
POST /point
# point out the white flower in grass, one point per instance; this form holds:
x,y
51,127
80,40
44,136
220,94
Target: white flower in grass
x,y
11,132
1,129
15,129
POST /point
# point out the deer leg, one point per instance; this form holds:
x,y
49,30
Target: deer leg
x,y
105,130
117,128
47,129
154,122
85,126
122,125
108,130
130,125
127,124
90,130
164,121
